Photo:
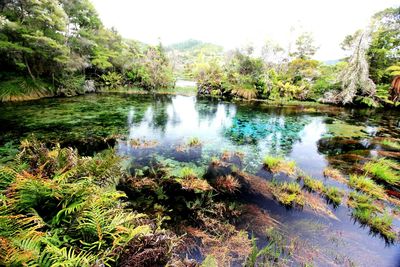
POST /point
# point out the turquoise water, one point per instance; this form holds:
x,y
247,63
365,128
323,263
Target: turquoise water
x,y
315,137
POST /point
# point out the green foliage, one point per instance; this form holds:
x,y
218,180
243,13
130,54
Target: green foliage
x,y
313,184
382,169
7,152
383,51
305,47
394,70
152,70
209,77
64,43
112,80
391,144
61,211
334,195
367,185
279,164
70,85
367,213
23,88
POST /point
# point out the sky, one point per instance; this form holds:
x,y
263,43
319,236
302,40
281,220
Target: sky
x,y
235,23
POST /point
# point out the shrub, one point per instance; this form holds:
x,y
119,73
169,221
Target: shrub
x,y
112,80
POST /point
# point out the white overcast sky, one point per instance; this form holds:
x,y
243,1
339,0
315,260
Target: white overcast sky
x,y
233,23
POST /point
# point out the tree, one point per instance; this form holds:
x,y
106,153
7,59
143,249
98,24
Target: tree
x,y
305,47
272,53
384,49
355,77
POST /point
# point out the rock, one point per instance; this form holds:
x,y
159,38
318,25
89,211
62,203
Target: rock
x,y
89,87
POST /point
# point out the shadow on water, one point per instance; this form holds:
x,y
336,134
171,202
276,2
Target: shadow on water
x,y
315,138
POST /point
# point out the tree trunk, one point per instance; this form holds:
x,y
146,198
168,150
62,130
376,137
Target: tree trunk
x,y
29,69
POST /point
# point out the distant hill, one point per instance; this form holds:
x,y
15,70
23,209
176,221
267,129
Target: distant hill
x,y
185,53
332,61
192,44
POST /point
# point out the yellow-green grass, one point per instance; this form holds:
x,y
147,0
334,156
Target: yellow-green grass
x,y
279,164
382,170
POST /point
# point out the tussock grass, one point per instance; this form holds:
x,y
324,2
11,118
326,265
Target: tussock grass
x,y
24,88
193,142
334,195
334,174
366,212
313,184
367,185
279,164
391,144
227,183
288,194
383,170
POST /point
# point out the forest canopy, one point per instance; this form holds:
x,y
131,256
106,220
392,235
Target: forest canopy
x,y
52,47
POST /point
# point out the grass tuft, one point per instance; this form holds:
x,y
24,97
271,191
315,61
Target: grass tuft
x,y
279,164
383,170
367,185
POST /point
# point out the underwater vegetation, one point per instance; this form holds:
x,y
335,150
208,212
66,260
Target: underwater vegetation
x,y
341,129
281,132
57,206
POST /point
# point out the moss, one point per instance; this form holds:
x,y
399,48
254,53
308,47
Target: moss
x,y
279,164
342,129
382,170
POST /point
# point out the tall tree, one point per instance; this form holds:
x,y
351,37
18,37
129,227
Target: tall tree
x,y
355,77
305,47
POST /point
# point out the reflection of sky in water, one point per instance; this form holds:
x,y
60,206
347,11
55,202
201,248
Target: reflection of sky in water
x,y
305,152
225,126
183,121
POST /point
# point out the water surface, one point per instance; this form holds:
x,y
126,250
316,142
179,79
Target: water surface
x,y
315,137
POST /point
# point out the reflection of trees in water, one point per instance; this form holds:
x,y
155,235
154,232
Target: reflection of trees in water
x,y
154,114
279,132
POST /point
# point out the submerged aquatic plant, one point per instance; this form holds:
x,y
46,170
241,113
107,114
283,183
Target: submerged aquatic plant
x,y
279,164
382,169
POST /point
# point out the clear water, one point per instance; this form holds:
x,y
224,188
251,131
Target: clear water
x,y
315,137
